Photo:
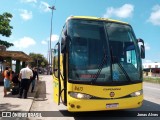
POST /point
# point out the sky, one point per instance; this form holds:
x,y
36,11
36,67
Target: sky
x,y
32,21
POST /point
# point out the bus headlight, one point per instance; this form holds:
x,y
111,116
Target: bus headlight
x,y
137,93
79,95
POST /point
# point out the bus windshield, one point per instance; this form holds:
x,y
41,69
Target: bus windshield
x,y
102,52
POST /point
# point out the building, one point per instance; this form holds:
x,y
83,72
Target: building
x,y
151,69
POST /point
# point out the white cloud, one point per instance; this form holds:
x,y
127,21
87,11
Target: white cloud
x,y
26,15
24,42
29,1
54,38
44,6
123,12
155,15
44,42
147,47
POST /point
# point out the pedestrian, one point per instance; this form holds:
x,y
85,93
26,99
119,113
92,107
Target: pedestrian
x,y
25,76
11,73
15,78
6,75
33,79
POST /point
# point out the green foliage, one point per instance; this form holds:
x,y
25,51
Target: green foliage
x,y
38,60
5,28
152,79
5,43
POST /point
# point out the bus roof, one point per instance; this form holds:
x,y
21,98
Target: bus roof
x,y
96,18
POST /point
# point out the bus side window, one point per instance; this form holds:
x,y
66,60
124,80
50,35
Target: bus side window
x,y
55,61
63,39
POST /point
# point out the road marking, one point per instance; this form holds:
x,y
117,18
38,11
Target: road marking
x,y
151,88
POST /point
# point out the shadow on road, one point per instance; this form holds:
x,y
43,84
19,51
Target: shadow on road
x,y
41,92
7,106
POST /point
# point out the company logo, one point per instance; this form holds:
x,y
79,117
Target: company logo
x,y
6,114
112,94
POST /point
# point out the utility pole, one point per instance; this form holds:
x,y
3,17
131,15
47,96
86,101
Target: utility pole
x,y
50,49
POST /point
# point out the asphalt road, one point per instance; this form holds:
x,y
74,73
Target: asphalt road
x,y
152,92
44,102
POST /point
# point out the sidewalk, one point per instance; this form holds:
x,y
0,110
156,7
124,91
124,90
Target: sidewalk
x,y
13,103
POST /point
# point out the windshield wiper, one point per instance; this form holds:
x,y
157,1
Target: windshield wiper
x,y
124,71
119,64
100,67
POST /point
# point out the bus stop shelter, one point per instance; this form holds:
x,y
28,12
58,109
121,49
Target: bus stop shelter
x,y
6,58
18,56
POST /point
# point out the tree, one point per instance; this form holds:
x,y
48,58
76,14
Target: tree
x,y
5,28
38,60
5,43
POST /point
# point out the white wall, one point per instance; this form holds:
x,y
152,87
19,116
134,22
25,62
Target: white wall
x,y
151,65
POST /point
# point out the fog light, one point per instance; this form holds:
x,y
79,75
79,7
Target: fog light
x,y
140,102
72,105
78,106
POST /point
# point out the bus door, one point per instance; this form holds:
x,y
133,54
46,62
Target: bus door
x,y
56,74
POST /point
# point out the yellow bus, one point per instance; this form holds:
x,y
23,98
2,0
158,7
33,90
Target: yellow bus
x,y
97,65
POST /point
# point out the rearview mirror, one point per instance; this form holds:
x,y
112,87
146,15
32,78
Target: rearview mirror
x,y
142,51
142,48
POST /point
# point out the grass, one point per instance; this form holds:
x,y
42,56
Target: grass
x,y
152,79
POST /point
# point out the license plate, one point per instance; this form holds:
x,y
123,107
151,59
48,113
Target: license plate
x,y
113,105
